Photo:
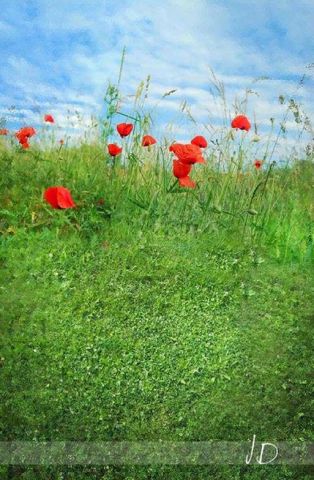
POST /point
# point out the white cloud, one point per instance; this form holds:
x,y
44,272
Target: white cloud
x,y
175,43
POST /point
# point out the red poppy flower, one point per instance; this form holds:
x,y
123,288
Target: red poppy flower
x,y
188,154
59,197
187,182
49,118
124,129
241,122
200,141
258,164
24,143
114,150
4,131
181,171
148,140
24,134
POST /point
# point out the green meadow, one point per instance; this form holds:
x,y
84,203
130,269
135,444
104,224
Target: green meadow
x,y
151,311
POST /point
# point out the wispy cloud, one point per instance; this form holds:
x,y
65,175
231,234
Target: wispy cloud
x,y
60,55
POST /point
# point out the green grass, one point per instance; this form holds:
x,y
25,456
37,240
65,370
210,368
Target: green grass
x,y
154,315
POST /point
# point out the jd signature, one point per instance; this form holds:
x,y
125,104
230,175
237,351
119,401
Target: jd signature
x,y
259,458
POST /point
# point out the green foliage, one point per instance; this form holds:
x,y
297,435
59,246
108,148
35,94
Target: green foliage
x,y
150,311
145,335
271,209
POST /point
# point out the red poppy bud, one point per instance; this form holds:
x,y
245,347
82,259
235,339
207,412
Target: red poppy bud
x,y
4,131
258,164
124,129
241,122
199,141
114,150
148,140
59,197
49,118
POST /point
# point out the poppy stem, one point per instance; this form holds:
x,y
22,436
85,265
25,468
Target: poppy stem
x,y
128,116
172,186
272,164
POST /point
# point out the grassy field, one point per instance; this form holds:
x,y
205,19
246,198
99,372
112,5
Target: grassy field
x,y
155,312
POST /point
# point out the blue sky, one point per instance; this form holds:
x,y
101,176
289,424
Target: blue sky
x,y
57,57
